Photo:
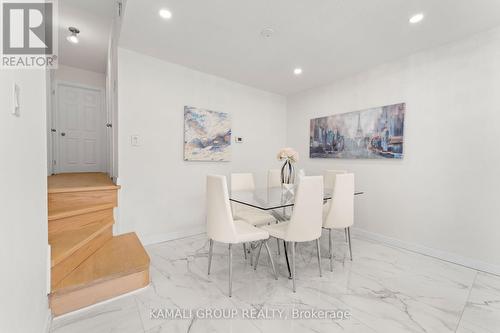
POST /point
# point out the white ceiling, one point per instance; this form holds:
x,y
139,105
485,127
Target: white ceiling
x,y
328,39
94,19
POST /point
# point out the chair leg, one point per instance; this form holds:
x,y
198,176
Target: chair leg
x,y
258,255
285,250
271,260
245,250
278,244
349,235
329,243
293,265
330,246
230,270
345,233
251,254
210,254
319,257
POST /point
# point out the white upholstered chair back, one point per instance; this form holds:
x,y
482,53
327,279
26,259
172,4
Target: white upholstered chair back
x,y
274,178
220,223
242,182
301,173
329,177
341,210
307,217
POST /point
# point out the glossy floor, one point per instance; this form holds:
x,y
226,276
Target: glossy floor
x,y
384,290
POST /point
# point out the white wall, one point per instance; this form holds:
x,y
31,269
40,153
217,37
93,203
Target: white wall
x,y
23,204
80,76
443,197
162,195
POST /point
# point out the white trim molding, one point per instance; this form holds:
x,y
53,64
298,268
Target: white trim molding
x,y
438,254
48,322
168,236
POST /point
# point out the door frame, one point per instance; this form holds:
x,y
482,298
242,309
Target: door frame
x,y
54,119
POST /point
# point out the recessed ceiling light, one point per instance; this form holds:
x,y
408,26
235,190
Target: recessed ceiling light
x,y
73,38
165,13
416,18
297,71
267,32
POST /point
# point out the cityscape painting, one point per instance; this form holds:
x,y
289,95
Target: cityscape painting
x,y
207,135
375,133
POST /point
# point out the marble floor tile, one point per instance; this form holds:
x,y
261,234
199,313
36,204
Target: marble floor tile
x,y
384,289
482,310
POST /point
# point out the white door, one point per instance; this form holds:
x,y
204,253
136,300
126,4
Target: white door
x,y
80,130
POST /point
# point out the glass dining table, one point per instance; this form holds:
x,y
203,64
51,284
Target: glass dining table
x,y
274,200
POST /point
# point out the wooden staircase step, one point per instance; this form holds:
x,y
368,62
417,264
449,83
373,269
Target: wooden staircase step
x,y
75,182
69,211
71,248
121,265
76,222
121,255
76,190
61,201
65,243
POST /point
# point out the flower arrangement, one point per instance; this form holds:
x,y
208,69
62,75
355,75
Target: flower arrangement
x,y
290,156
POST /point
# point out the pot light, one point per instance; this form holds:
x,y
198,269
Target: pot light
x,y
297,71
165,13
73,38
416,18
267,32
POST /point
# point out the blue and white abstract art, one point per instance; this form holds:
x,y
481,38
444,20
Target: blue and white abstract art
x,y
207,135
371,134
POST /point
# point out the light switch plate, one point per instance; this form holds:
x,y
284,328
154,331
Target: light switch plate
x,y
16,100
135,140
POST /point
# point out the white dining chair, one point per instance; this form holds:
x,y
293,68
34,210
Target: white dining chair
x,y
221,227
329,183
274,178
301,173
329,178
306,220
340,213
254,216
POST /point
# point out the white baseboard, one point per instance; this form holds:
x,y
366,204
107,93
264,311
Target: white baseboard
x,y
438,254
442,255
48,322
163,237
49,269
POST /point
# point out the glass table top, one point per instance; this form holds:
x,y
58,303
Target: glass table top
x,y
271,198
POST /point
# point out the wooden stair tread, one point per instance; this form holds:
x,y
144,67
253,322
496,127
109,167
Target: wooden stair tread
x,y
67,211
75,182
89,265
65,243
120,256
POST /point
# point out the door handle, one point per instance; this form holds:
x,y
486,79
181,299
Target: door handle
x,y
63,134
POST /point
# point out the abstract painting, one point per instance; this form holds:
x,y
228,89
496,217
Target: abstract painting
x,y
371,134
207,135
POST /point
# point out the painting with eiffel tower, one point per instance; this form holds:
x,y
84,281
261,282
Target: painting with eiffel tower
x,y
375,133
